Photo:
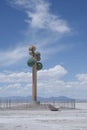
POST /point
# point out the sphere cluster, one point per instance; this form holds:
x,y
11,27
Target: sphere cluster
x,y
35,58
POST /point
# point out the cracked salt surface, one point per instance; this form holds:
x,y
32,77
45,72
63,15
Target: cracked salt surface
x,y
44,120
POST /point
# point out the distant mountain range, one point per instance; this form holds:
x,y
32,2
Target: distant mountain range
x,y
41,99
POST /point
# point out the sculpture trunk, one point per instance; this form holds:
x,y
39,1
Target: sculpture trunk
x,y
34,83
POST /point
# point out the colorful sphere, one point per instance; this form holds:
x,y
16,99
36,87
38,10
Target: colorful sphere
x,y
39,66
32,48
30,52
37,53
31,62
38,58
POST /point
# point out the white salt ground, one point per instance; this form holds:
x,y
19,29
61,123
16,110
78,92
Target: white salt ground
x,y
45,120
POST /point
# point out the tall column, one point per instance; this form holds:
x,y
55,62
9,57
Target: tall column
x,y
34,83
36,66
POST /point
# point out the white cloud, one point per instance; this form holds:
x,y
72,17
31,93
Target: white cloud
x,y
12,56
40,16
15,77
82,77
55,72
42,19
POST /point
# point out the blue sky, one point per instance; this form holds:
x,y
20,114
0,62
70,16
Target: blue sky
x,y
58,30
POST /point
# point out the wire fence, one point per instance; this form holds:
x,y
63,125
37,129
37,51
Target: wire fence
x,y
26,105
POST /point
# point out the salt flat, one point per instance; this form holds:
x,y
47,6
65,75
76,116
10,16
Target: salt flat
x,y
45,120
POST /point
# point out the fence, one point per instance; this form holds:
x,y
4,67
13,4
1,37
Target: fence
x,y
25,105
67,104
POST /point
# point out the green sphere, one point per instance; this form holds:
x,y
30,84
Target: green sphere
x,y
31,62
39,66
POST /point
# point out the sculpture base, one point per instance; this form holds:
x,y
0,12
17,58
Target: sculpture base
x,y
35,102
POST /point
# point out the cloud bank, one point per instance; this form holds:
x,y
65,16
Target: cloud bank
x,y
50,83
